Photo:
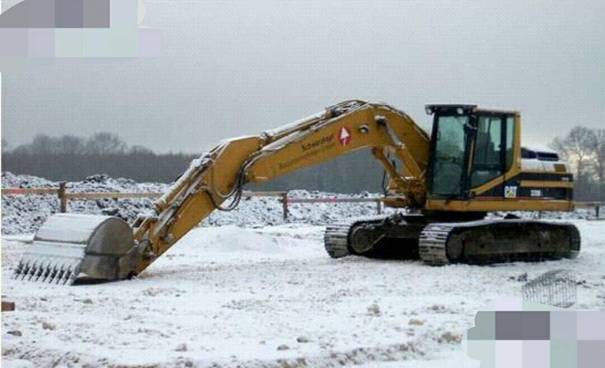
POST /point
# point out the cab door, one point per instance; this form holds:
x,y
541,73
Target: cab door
x,y
448,166
491,154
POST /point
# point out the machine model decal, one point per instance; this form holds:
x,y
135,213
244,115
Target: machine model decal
x,y
317,143
535,193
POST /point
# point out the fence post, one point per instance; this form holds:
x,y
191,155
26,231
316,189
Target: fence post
x,y
597,210
379,206
8,306
62,198
284,202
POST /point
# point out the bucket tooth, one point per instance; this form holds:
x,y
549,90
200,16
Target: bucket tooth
x,y
51,274
40,271
24,270
56,272
58,276
18,270
35,271
70,276
47,272
31,271
71,248
44,272
65,277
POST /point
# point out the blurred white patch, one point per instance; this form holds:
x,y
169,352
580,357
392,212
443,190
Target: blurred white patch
x,y
140,12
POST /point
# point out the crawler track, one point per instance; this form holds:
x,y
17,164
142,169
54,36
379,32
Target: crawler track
x,y
337,239
432,245
440,243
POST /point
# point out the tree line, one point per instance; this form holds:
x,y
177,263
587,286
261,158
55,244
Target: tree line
x,y
73,158
102,143
584,149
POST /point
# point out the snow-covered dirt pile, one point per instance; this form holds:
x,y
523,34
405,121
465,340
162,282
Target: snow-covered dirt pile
x,y
270,297
25,214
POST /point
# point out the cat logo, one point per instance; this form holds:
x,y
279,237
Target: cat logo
x,y
510,192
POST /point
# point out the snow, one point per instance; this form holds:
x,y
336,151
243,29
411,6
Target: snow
x,y
70,228
541,148
293,125
228,296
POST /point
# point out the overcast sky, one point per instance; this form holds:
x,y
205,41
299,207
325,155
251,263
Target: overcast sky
x,y
232,68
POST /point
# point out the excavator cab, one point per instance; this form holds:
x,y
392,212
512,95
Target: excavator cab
x,y
469,149
475,165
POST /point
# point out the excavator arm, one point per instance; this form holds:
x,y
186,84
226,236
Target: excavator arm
x,y
101,249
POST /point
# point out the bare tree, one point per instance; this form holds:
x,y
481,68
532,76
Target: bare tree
x,y
5,146
140,150
599,154
104,143
559,145
43,145
577,147
69,144
20,150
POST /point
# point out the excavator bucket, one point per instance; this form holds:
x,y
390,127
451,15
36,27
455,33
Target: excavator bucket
x,y
74,248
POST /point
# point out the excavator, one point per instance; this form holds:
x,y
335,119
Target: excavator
x,y
447,186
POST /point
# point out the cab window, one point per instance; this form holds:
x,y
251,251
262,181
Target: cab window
x,y
449,161
487,158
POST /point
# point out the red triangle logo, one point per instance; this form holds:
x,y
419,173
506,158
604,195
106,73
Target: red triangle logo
x,y
344,136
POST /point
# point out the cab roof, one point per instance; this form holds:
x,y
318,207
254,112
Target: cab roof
x,y
463,109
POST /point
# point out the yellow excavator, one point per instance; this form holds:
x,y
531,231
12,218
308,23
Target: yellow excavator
x,y
445,183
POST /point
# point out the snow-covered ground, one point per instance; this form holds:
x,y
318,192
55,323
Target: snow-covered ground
x,y
250,290
229,296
